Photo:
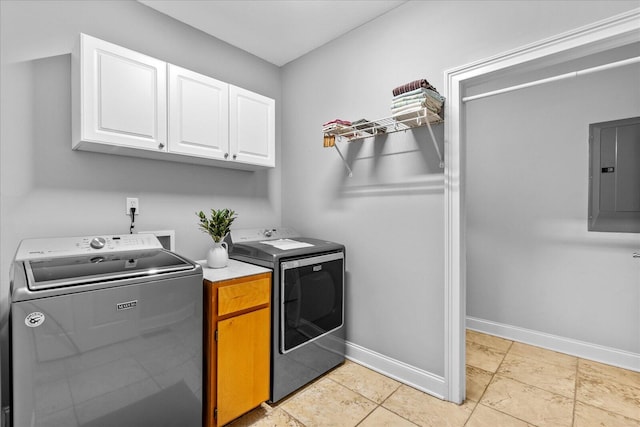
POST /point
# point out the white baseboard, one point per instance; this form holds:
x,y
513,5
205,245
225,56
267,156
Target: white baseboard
x,y
584,350
400,371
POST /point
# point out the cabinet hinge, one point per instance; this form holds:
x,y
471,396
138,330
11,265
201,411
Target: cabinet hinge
x,y
216,335
215,413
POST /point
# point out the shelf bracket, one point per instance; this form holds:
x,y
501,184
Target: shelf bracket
x,y
346,165
435,144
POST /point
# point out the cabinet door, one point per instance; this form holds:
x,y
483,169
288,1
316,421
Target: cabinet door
x,y
198,114
123,96
251,127
243,364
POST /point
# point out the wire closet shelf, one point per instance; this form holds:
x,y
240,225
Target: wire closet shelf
x,y
369,129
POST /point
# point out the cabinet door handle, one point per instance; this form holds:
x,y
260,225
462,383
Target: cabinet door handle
x,y
234,156
161,146
226,155
636,255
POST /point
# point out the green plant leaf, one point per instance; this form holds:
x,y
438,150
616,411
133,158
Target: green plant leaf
x,y
218,224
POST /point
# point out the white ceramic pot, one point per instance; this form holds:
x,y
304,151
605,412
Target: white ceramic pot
x,y
217,257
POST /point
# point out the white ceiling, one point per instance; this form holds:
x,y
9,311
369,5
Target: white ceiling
x,y
277,31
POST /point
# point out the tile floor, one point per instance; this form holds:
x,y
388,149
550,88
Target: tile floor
x,y
509,384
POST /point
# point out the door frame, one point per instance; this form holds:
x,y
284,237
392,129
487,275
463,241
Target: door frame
x,y
600,36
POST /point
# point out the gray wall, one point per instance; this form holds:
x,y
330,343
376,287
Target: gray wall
x,y
531,262
390,214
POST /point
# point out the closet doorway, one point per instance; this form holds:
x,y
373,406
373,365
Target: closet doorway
x,y
609,41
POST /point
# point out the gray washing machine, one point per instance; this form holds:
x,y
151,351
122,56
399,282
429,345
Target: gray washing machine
x,y
103,331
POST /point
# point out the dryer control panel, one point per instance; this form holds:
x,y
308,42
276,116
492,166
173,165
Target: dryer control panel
x,y
259,234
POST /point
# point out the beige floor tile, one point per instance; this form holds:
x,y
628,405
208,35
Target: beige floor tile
x,y
327,403
609,373
264,416
547,376
384,418
368,383
531,404
477,382
484,416
589,416
483,357
548,356
609,395
497,343
297,392
425,410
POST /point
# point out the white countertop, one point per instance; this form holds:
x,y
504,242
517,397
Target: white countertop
x,y
233,270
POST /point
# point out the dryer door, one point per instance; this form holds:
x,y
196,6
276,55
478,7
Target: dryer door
x,y
312,299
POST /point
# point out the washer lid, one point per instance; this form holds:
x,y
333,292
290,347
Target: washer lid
x,y
77,270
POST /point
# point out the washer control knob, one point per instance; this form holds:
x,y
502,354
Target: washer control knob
x,y
98,242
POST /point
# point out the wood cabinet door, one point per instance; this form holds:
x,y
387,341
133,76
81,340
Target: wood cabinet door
x,y
198,114
251,127
243,364
123,96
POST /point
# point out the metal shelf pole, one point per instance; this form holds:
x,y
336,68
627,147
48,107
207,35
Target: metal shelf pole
x,y
346,165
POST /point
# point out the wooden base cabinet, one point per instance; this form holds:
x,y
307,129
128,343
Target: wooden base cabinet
x,y
237,342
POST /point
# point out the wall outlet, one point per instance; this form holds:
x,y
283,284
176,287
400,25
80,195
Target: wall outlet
x,y
132,202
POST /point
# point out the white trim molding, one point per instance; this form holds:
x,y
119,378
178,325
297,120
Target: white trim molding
x,y
455,243
405,373
582,349
598,37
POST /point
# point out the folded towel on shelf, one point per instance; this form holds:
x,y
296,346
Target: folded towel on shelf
x,y
414,97
419,93
416,84
403,97
369,127
408,107
337,129
337,121
426,101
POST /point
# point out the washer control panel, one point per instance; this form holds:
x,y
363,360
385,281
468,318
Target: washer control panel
x,y
69,246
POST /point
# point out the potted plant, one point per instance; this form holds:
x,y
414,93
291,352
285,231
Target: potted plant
x,y
217,226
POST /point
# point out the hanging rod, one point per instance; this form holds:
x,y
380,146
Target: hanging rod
x,y
554,78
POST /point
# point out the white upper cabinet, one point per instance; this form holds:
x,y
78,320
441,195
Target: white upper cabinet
x,y
120,97
198,114
251,127
127,103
